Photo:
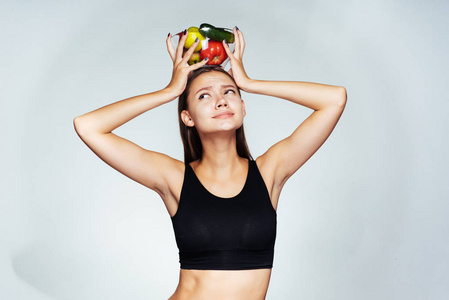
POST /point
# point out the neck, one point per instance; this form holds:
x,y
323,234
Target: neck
x,y
220,151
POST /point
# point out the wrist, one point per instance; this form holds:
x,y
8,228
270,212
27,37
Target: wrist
x,y
249,85
169,93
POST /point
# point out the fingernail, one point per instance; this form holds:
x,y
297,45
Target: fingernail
x,y
168,34
225,42
237,28
196,40
185,32
207,58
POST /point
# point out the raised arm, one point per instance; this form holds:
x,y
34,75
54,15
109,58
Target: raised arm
x,y
328,103
284,158
149,168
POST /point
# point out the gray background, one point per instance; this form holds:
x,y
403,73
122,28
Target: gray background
x,y
365,218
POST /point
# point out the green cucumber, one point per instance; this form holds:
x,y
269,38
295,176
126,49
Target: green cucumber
x,y
217,34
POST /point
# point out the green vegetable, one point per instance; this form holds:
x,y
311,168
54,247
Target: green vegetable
x,y
217,34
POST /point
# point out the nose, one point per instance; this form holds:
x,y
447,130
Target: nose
x,y
221,103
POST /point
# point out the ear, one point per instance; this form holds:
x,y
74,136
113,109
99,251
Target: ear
x,y
187,119
243,108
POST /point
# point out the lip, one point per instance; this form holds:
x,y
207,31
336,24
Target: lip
x,y
223,115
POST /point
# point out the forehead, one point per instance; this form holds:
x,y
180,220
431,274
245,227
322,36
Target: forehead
x,y
212,78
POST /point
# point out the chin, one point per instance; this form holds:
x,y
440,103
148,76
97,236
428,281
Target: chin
x,y
221,127
230,126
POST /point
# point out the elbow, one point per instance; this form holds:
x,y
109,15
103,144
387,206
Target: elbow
x,y
341,97
78,125
85,128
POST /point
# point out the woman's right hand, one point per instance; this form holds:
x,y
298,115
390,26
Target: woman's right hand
x,y
181,68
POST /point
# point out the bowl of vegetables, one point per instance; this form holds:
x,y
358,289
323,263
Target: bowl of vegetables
x,y
211,43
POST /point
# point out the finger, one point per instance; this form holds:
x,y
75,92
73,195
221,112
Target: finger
x,y
227,49
170,49
199,65
240,41
236,42
189,52
182,41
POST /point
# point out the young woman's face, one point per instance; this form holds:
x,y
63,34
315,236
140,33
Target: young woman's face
x,y
214,104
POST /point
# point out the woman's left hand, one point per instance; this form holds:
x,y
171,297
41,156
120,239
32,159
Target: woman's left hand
x,y
237,70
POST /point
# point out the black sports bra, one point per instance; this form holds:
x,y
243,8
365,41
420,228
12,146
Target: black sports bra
x,y
214,233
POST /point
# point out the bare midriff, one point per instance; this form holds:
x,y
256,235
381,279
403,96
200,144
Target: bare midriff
x,y
222,285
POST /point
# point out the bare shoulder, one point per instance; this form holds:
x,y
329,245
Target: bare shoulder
x,y
165,175
267,169
173,171
170,173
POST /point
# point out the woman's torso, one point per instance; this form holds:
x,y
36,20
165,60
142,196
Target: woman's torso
x,y
224,284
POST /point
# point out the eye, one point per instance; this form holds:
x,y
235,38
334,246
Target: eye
x,y
230,91
204,95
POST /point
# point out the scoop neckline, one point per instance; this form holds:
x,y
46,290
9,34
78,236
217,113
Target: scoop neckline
x,y
218,197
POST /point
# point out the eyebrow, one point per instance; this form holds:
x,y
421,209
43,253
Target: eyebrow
x,y
210,87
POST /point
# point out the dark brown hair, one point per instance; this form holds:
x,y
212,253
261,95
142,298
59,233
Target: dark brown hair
x,y
193,149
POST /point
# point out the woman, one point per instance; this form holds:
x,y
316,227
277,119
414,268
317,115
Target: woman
x,y
222,203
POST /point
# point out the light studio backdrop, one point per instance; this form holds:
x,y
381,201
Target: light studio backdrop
x,y
365,218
